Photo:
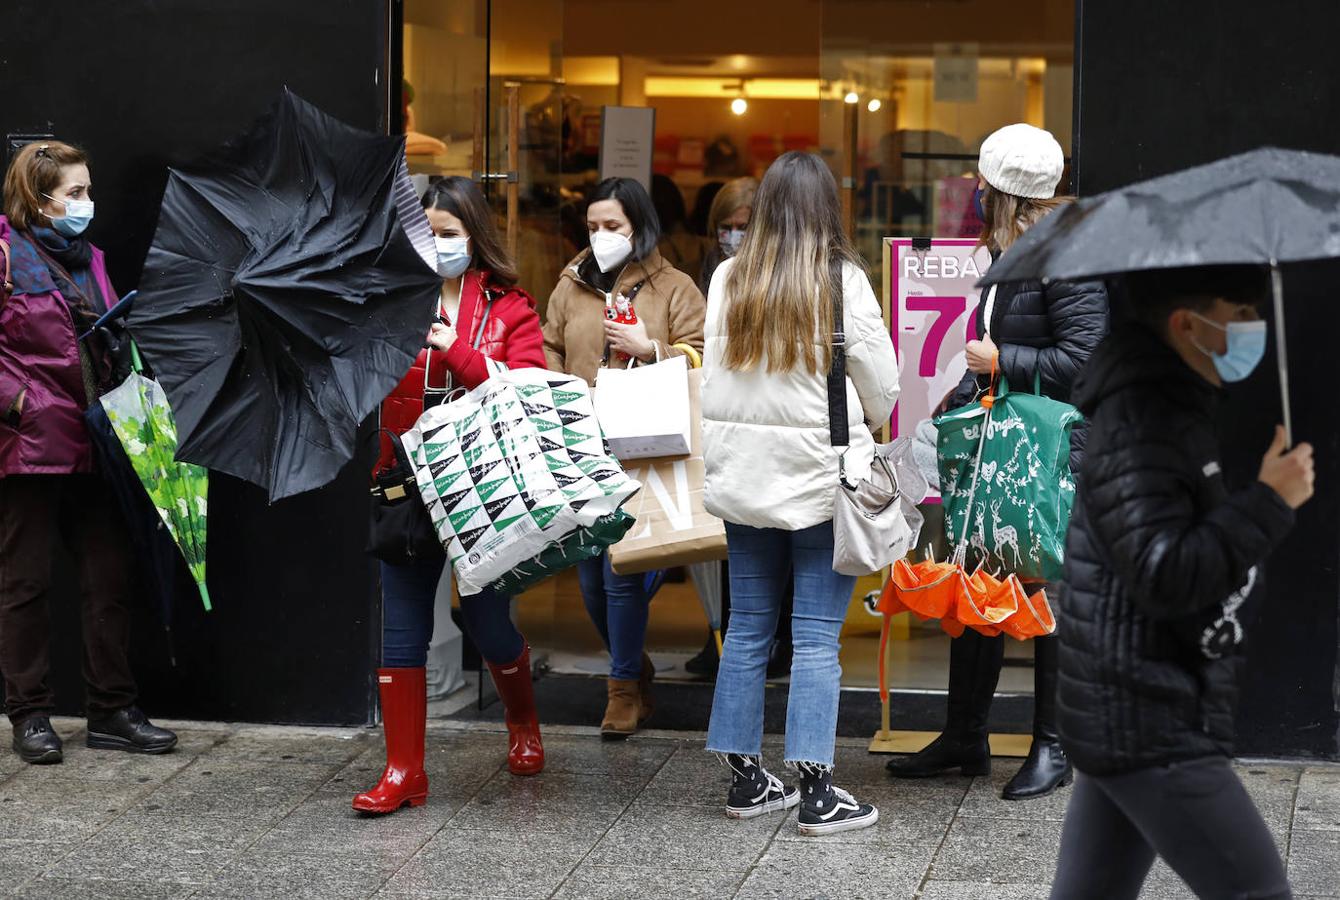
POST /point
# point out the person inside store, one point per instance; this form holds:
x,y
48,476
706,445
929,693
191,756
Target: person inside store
x,y
482,315
702,208
51,492
1161,561
772,473
678,245
1027,330
621,275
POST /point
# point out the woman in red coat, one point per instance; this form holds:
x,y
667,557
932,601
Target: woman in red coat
x,y
482,315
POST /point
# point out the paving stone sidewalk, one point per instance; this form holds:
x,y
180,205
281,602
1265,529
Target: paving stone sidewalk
x,y
261,812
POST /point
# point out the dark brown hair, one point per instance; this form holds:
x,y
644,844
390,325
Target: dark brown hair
x,y
1152,296
36,170
460,196
1008,216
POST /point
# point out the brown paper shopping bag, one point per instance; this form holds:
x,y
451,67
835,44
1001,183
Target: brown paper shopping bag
x,y
673,528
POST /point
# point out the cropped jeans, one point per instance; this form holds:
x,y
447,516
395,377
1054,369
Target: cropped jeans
x,y
760,560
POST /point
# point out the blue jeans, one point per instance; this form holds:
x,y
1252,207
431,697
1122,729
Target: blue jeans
x,y
408,593
759,561
619,608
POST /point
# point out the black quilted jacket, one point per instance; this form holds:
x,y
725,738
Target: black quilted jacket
x,y
1158,557
1050,331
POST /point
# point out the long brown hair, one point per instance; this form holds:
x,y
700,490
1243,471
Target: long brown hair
x,y
779,293
1008,216
36,170
461,197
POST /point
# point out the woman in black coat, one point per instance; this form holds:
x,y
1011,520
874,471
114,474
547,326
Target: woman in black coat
x,y
1030,333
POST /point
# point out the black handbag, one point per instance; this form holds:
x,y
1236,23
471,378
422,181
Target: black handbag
x,y
400,531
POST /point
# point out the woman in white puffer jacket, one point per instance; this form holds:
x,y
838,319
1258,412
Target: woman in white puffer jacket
x,y
772,473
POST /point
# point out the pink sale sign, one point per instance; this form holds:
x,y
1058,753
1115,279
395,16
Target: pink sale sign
x,y
933,302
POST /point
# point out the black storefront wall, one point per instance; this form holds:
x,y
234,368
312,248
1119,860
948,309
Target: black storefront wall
x,y
1161,86
143,85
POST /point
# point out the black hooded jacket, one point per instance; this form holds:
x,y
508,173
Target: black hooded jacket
x,y
1159,557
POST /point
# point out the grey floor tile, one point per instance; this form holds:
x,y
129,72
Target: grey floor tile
x,y
453,765
581,755
832,871
230,788
327,824
258,875
20,860
41,809
1318,806
83,764
1274,790
1162,883
983,799
1000,851
590,882
299,749
682,837
562,803
1314,862
691,777
473,863
79,888
982,890
188,831
124,857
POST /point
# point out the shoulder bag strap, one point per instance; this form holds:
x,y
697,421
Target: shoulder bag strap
x,y
838,434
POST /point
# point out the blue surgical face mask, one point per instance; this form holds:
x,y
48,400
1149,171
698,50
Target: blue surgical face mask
x,y
1245,349
977,203
78,215
453,256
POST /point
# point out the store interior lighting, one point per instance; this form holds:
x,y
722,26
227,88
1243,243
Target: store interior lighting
x,y
874,104
739,106
852,97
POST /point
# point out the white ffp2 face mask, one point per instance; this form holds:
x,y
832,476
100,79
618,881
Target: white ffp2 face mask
x,y
610,249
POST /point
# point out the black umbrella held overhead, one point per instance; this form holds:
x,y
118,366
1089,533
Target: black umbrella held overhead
x,y
1266,207
290,283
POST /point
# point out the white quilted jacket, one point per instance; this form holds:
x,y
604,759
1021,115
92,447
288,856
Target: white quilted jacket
x,y
765,435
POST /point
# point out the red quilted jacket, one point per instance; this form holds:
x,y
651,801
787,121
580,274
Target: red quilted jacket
x,y
511,335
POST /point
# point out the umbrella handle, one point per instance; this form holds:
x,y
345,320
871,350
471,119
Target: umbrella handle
x,y
136,362
1281,349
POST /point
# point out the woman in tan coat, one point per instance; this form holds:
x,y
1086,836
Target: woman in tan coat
x,y
619,304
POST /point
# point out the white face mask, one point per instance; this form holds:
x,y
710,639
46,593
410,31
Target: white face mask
x,y
610,249
453,256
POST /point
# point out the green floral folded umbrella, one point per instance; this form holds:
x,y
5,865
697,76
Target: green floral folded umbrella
x,y
143,422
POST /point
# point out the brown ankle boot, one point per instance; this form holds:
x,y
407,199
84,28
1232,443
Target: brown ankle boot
x,y
622,712
644,698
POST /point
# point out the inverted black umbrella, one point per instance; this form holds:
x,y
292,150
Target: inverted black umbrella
x,y
1266,207
290,284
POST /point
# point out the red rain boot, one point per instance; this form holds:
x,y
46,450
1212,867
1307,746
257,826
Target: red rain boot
x,y
525,754
404,694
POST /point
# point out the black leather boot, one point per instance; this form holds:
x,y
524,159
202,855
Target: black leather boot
x,y
1047,767
974,670
36,742
130,730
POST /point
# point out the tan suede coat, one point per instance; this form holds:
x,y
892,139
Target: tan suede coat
x,y
669,303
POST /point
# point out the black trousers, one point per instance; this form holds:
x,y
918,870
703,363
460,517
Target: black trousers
x,y
1194,814
36,511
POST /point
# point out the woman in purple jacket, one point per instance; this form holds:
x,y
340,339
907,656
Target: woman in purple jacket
x,y
49,489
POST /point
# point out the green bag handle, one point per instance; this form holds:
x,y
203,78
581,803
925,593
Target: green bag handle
x,y
1037,384
136,363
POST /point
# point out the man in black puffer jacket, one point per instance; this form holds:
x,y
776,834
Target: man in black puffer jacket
x,y
1160,558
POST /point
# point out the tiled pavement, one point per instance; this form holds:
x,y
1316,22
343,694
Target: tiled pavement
x,y
247,812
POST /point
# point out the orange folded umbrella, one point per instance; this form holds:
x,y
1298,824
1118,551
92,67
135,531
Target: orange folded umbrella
x,y
1034,618
931,590
989,602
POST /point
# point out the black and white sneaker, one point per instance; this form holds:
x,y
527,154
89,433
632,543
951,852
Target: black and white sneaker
x,y
825,809
754,791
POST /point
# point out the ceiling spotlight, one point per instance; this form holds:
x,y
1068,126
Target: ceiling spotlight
x,y
739,106
874,105
852,97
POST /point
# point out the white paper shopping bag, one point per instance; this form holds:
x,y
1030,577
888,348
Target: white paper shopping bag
x,y
644,411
